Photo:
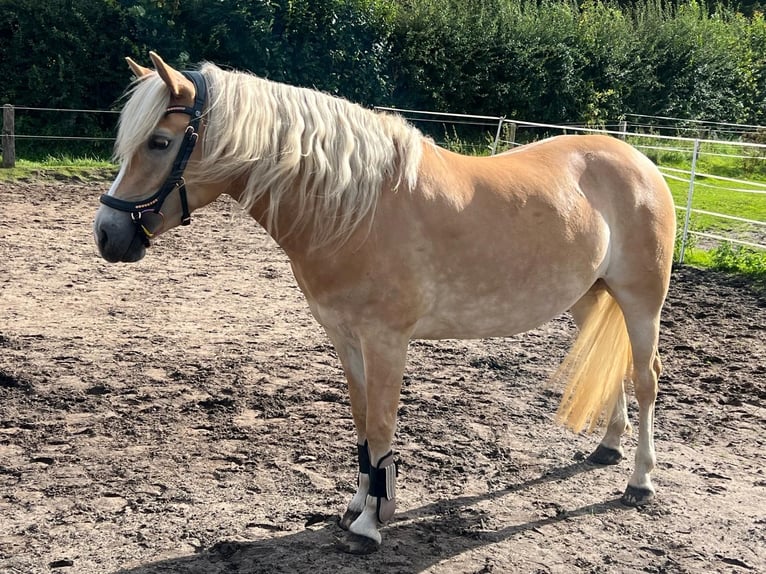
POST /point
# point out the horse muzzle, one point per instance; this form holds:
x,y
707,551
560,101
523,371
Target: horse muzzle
x,y
117,237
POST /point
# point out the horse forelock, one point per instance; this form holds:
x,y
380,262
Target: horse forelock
x,y
147,100
327,158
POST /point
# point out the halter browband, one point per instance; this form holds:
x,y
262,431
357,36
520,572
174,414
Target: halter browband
x,y
175,180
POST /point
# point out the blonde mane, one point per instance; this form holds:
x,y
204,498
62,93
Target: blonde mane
x,y
329,157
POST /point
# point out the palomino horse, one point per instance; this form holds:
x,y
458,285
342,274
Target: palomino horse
x,y
393,238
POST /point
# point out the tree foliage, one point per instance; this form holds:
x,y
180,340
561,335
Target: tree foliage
x,y
545,60
559,61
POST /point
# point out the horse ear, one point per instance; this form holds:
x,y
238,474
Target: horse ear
x,y
173,79
138,70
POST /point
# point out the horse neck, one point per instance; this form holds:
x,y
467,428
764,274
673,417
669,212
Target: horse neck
x,y
296,243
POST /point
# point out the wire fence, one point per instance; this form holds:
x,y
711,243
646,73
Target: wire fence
x,y
38,133
716,130
707,161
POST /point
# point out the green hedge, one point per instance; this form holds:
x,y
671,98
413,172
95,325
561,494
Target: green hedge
x,y
545,60
557,61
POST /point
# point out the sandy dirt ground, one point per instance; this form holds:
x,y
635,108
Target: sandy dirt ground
x,y
186,414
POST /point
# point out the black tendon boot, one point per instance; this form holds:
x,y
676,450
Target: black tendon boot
x,y
383,487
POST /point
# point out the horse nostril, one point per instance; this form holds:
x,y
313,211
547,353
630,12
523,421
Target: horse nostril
x,y
102,239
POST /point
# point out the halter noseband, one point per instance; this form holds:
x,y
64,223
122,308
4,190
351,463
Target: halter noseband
x,y
175,180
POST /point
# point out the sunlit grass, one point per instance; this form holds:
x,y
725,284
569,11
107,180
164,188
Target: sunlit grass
x,y
720,197
60,168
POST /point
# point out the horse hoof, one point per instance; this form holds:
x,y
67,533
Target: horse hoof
x,y
348,518
604,455
637,496
358,545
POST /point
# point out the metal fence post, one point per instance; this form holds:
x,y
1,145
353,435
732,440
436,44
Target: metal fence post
x,y
9,141
689,195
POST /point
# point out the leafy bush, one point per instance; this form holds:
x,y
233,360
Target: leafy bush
x,y
740,259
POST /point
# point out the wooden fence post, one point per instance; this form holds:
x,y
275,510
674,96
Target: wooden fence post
x,y
493,149
9,141
512,133
623,129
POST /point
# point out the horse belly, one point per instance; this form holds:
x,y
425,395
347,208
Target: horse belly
x,y
481,320
468,307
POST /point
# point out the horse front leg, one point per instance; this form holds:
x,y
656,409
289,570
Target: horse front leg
x,y
384,357
350,355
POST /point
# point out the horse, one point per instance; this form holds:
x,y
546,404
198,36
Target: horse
x,y
392,238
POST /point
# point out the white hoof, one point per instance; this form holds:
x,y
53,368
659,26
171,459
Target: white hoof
x,y
367,523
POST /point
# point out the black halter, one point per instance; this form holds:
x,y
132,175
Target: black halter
x,y
175,180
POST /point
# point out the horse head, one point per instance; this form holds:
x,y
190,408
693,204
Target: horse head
x,y
157,133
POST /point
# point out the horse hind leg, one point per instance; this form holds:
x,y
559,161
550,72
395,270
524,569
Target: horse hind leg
x,y
647,367
642,319
610,450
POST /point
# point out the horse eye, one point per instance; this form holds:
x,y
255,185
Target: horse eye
x,y
159,143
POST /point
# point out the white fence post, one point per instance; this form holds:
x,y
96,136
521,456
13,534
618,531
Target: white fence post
x,y
687,216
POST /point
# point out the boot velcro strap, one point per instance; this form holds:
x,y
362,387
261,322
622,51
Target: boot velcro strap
x,y
383,480
363,456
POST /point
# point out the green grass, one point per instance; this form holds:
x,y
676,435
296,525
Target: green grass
x,y
711,193
60,168
721,199
720,196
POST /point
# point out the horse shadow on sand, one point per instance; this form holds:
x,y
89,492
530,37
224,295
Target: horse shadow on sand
x,y
413,542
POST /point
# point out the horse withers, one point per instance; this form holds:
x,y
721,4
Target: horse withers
x,y
392,238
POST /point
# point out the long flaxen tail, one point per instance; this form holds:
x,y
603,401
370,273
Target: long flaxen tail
x,y
594,370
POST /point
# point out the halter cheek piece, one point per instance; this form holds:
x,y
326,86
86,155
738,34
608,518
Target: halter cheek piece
x,y
175,180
